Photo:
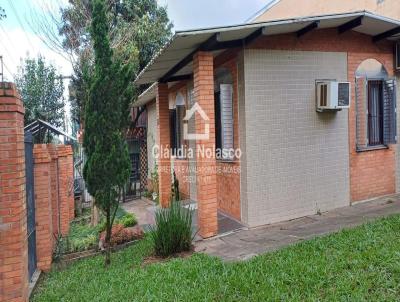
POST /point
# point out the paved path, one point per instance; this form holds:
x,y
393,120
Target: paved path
x,y
248,243
139,207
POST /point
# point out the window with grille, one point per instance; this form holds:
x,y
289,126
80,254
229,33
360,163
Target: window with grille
x,y
224,119
375,113
376,120
176,116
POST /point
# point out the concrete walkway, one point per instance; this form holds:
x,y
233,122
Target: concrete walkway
x,y
248,243
139,207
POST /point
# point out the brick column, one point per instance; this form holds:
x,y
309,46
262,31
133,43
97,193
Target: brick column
x,y
54,187
65,181
13,232
164,161
203,73
43,207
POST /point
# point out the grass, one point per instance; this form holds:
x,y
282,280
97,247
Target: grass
x,y
352,265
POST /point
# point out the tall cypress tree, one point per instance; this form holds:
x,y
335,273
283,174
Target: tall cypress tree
x,y
106,118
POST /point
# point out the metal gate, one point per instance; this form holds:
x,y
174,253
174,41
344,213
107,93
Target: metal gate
x,y
30,204
133,190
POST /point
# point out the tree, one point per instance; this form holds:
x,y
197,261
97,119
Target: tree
x,y
133,25
106,119
42,90
139,24
2,13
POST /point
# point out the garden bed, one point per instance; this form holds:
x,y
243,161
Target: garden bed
x,y
83,238
353,265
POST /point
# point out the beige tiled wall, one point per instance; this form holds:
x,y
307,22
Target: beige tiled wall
x,y
296,161
151,135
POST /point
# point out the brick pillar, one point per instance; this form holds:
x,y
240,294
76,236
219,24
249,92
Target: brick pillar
x,y
203,73
65,181
43,207
54,188
13,232
164,161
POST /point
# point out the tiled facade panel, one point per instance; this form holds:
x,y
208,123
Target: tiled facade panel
x,y
242,140
151,136
298,158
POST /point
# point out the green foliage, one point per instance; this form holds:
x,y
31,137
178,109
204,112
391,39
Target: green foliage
x,y
41,89
135,25
122,217
79,92
155,185
360,264
106,119
173,230
175,188
2,13
81,237
129,220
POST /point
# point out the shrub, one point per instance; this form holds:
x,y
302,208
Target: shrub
x,y
81,237
173,230
128,220
120,235
121,217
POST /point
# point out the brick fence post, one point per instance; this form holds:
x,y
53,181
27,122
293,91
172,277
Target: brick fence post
x,y
66,178
203,78
43,212
54,188
13,220
164,161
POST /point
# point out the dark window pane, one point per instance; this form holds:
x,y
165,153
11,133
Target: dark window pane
x,y
375,113
172,128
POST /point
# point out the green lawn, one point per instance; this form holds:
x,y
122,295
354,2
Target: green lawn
x,y
353,265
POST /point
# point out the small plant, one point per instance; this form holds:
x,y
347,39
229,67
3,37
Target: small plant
x,y
173,230
147,194
59,248
175,188
128,220
121,217
154,184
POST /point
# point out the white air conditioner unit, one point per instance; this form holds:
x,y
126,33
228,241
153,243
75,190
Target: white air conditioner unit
x,y
332,95
397,56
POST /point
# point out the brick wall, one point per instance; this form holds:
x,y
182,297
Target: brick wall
x,y
228,173
372,173
181,165
43,207
163,141
13,217
52,149
203,71
13,232
65,187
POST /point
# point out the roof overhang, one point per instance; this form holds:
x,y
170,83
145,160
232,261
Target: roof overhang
x,y
147,96
175,58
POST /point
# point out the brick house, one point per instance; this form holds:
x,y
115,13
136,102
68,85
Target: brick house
x,y
257,83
